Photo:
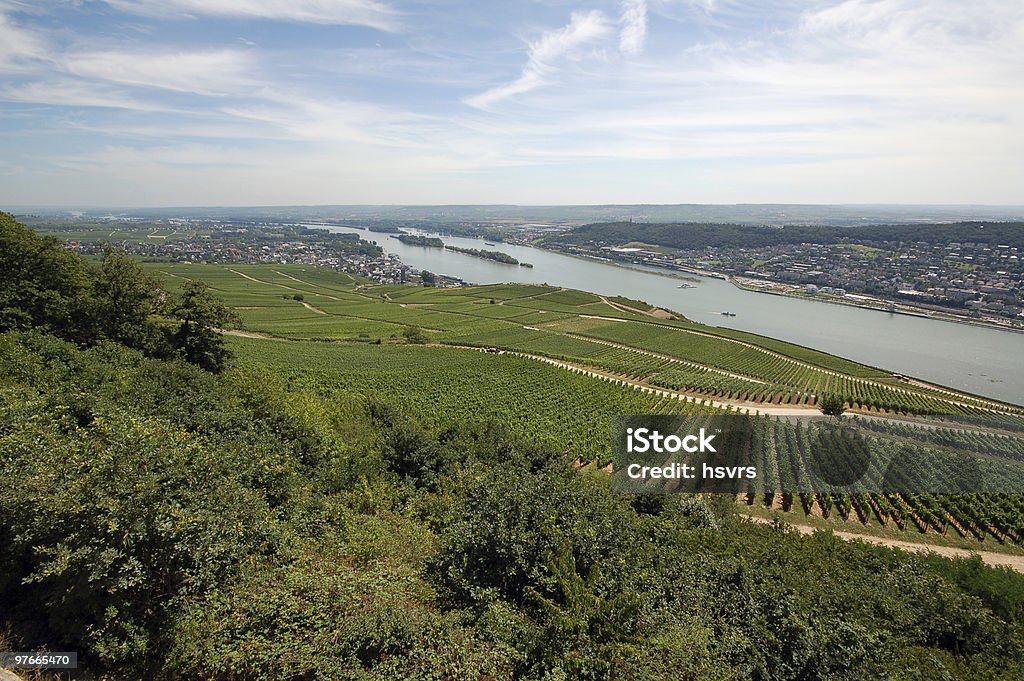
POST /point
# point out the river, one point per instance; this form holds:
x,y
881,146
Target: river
x,y
980,360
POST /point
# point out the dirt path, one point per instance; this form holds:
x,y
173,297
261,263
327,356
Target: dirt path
x,y
669,358
250,334
288,276
655,312
320,289
289,288
312,308
989,557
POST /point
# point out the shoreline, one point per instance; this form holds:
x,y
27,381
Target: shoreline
x,y
697,274
909,313
694,276
977,390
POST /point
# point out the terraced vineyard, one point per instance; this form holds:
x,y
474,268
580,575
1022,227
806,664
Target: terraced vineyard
x,y
924,458
445,386
620,362
307,302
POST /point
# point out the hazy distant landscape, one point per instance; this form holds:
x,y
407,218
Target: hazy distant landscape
x,y
767,214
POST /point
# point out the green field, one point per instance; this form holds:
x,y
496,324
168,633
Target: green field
x,y
411,483
305,302
617,359
445,387
111,230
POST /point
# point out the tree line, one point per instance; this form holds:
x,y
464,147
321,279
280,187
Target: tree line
x,y
45,286
697,235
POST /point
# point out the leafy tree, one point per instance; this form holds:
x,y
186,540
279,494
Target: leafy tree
x,y
110,522
414,334
202,315
584,631
832,405
429,278
124,298
42,284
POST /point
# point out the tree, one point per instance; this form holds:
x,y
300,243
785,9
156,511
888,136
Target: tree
x,y
583,632
202,315
429,278
42,284
832,405
414,334
124,298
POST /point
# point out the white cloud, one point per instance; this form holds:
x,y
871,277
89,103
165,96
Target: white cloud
x,y
18,47
583,28
74,93
328,120
774,100
633,34
206,73
924,25
345,12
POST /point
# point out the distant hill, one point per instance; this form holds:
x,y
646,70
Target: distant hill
x,y
741,213
702,235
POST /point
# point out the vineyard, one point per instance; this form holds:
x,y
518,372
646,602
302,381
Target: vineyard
x,y
933,481
311,303
872,474
637,364
447,386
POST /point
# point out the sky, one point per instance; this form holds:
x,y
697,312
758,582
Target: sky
x,y
276,102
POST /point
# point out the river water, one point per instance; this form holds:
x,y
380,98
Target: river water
x,y
979,360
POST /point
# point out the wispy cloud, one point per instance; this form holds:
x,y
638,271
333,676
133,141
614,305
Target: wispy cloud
x,y
633,33
737,99
73,93
330,120
201,72
583,28
18,47
369,13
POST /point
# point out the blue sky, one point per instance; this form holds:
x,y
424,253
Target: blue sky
x,y
256,102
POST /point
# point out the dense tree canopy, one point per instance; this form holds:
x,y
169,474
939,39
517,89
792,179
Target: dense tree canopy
x,y
202,315
47,287
42,284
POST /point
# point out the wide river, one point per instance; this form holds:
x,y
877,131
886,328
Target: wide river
x,y
980,360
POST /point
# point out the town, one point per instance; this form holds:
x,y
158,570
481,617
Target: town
x,y
966,279
207,242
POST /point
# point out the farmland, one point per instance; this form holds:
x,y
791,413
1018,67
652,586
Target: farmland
x,y
298,302
555,365
447,386
892,497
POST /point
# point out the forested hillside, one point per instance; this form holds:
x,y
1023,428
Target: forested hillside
x,y
694,235
167,516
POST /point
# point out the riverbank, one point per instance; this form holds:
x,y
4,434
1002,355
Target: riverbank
x,y
970,358
865,303
795,291
634,267
784,290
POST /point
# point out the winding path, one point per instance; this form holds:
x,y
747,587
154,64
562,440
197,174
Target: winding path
x,y
1007,560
